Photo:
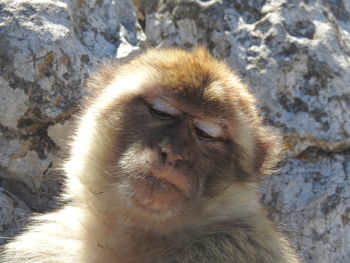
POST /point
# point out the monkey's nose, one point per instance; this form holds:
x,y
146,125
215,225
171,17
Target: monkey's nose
x,y
168,156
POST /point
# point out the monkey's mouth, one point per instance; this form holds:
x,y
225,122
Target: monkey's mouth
x,y
161,189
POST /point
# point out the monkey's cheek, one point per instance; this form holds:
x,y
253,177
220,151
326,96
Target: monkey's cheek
x,y
157,195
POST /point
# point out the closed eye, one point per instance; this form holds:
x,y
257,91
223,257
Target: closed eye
x,y
161,114
162,110
208,130
203,134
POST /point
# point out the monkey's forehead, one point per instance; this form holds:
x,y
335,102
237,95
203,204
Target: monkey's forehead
x,y
193,79
194,103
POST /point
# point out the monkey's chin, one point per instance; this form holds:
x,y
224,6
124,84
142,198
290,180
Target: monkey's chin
x,y
156,194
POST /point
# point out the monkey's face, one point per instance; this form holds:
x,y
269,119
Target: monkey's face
x,y
171,131
170,157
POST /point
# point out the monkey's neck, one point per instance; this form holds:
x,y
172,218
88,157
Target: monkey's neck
x,y
112,235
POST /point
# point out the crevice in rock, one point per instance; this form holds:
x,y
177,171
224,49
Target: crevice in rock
x,y
303,144
46,199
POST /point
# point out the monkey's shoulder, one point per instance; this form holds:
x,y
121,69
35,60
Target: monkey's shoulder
x,y
51,238
236,242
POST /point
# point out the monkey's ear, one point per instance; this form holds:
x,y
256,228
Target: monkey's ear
x,y
267,154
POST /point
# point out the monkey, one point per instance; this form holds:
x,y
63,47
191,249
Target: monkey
x,y
164,167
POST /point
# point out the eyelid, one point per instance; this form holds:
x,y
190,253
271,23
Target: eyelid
x,y
212,129
164,107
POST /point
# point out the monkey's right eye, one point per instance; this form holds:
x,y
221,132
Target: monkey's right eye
x,y
163,111
161,114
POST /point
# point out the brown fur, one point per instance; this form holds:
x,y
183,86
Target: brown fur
x,y
149,188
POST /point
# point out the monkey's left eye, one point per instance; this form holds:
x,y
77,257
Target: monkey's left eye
x,y
207,130
203,134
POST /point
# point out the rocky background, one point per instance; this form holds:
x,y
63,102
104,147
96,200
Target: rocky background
x,y
294,54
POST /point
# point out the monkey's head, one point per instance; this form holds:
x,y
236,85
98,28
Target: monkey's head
x,y
164,134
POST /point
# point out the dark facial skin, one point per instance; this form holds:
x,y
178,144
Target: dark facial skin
x,y
168,161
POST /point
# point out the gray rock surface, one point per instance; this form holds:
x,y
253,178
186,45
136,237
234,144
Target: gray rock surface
x,y
311,199
294,54
13,215
47,49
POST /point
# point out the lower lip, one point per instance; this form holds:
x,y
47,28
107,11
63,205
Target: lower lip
x,y
157,194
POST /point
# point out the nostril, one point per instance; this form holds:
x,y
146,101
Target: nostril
x,y
164,156
168,156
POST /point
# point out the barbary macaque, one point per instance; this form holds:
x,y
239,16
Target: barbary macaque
x,y
163,168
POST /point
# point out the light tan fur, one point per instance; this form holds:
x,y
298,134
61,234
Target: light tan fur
x,y
102,224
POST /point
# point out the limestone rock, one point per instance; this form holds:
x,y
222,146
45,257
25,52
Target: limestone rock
x,y
13,215
310,198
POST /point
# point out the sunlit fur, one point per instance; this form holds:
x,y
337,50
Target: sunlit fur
x,y
221,220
